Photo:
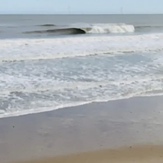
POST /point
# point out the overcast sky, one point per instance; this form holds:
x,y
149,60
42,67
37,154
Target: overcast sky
x,y
80,6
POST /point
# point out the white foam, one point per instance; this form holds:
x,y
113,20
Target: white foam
x,y
35,49
111,28
4,114
88,91
104,28
27,87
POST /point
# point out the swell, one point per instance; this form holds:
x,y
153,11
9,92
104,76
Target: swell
x,y
47,25
95,29
87,28
59,31
148,26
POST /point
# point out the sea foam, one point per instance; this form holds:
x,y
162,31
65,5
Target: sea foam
x,y
37,49
61,72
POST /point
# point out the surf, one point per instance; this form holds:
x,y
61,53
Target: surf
x,y
13,50
86,29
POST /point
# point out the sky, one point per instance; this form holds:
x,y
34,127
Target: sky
x,y
81,6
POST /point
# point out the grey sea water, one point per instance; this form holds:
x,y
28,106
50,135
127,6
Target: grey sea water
x,y
53,61
18,26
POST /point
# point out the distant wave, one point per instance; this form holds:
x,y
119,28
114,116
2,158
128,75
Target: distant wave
x,y
94,29
148,26
87,28
47,25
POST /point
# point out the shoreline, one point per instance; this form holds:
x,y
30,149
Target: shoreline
x,y
91,127
80,105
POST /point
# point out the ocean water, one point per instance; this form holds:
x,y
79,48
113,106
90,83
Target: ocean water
x,y
48,62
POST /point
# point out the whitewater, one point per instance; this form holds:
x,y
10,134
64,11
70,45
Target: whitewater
x,y
76,64
42,49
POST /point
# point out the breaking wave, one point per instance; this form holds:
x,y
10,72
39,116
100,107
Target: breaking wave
x,y
87,29
69,47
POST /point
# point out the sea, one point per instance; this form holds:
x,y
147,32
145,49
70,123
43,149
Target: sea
x,y
49,62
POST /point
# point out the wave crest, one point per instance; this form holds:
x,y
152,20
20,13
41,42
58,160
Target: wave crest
x,y
88,29
110,28
63,31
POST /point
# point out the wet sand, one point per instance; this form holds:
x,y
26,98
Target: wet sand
x,y
129,127
141,154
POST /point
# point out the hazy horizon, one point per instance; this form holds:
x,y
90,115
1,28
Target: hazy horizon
x,y
81,7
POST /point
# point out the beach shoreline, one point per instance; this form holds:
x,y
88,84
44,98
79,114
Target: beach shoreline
x,y
115,125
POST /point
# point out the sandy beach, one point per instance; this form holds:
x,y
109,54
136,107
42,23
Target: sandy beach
x,y
128,130
144,154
